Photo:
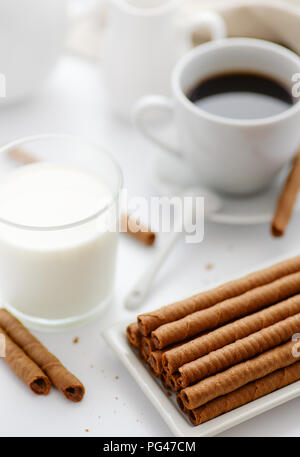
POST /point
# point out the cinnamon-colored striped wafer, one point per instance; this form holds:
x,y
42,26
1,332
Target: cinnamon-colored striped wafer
x,y
238,376
165,379
60,377
287,199
243,349
244,395
226,311
133,334
28,371
137,231
146,346
173,381
155,361
21,156
181,405
151,321
174,358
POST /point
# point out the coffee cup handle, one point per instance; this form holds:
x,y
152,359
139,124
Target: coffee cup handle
x,y
154,104
209,19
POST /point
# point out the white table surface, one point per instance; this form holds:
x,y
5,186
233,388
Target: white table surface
x,y
73,102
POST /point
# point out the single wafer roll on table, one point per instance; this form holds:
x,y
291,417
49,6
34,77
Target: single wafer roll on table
x,y
226,311
238,376
21,156
28,371
60,377
174,358
133,334
170,313
137,231
243,395
287,199
243,349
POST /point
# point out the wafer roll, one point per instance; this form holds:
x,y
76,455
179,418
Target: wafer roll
x,y
60,377
170,381
173,381
226,311
237,376
174,358
150,321
181,405
146,346
287,199
28,371
133,334
155,361
143,353
21,156
243,349
244,395
137,231
165,378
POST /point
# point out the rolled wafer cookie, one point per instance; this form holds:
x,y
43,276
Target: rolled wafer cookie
x,y
174,358
155,361
170,313
21,156
165,379
226,311
133,334
237,376
243,395
28,371
243,349
137,231
146,346
60,377
173,382
287,199
170,381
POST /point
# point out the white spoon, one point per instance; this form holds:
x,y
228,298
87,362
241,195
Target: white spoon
x,y
138,294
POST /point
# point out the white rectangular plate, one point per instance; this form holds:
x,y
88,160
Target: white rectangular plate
x,y
167,407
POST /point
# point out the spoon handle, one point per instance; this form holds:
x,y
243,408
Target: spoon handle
x,y
139,292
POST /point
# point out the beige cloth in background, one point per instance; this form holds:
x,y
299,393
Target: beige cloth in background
x,y
265,19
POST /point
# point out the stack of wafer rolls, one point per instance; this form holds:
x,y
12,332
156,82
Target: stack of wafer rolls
x,y
227,346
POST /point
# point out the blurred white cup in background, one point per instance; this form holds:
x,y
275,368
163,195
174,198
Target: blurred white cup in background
x,y
32,34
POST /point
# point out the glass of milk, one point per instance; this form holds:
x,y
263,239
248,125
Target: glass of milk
x,y
58,230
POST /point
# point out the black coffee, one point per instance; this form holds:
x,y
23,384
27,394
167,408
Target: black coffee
x,y
241,96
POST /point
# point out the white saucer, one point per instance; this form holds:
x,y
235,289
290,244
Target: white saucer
x,y
173,175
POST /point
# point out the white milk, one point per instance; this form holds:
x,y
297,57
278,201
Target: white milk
x,y
55,274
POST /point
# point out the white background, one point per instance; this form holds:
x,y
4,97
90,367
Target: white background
x,y
74,102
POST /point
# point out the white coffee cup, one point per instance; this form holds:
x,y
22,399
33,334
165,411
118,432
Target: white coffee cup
x,y
230,155
32,35
142,43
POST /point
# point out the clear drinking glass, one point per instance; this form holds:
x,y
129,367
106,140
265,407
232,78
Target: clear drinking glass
x,y
52,274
